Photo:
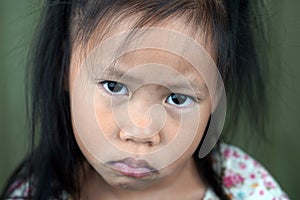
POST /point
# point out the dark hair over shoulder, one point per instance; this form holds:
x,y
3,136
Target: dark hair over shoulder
x,y
53,164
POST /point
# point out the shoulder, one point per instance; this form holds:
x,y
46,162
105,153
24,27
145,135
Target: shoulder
x,y
19,189
23,189
244,177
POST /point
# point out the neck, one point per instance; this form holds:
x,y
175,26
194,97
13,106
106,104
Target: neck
x,y
185,183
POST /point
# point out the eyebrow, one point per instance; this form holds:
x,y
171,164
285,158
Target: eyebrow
x,y
118,74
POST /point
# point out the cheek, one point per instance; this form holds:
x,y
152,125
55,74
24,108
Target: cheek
x,y
105,117
188,126
198,124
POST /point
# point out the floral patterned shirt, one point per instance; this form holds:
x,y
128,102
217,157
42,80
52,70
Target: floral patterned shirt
x,y
244,178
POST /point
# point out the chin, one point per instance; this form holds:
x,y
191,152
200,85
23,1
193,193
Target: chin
x,y
132,184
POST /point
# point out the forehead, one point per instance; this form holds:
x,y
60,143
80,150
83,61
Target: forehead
x,y
170,42
153,61
107,30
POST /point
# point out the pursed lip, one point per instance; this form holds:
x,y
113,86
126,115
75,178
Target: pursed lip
x,y
132,167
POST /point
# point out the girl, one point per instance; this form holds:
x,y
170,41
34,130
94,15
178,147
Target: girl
x,y
126,102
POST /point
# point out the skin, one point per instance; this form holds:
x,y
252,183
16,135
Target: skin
x,y
175,181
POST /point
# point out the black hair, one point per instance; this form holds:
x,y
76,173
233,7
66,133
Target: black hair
x,y
54,161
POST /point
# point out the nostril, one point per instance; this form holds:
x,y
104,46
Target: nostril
x,y
151,140
150,144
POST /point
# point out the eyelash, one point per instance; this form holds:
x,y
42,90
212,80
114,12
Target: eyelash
x,y
113,88
179,100
182,100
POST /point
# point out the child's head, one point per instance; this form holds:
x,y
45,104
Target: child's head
x,y
148,106
131,83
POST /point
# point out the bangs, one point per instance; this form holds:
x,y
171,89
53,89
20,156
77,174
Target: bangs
x,y
209,16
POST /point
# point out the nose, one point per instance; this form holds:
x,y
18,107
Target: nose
x,y
144,122
140,137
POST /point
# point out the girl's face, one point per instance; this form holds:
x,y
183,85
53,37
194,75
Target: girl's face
x,y
140,111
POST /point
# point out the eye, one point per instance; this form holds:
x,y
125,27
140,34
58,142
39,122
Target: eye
x,y
179,100
114,87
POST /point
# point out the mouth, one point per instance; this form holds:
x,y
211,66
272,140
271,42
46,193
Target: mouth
x,y
132,167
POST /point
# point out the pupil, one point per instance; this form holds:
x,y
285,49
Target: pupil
x,y
178,99
115,87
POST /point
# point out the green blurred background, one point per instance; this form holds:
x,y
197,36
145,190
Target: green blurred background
x,y
279,154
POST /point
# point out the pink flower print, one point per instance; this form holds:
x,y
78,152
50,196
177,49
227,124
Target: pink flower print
x,y
246,157
242,165
252,176
236,154
232,180
255,163
227,153
264,175
269,184
261,192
